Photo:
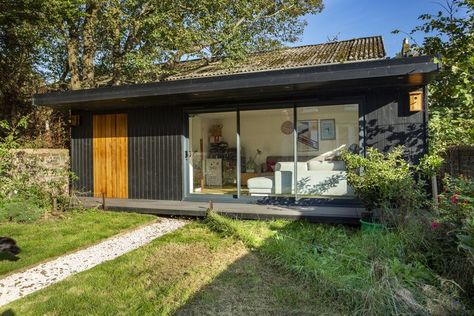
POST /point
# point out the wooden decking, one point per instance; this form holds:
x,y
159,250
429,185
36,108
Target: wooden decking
x,y
327,214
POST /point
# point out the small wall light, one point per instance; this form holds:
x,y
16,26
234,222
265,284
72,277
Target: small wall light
x,y
75,120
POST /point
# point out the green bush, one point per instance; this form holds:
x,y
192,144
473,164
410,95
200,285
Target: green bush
x,y
456,202
385,183
466,239
24,211
455,231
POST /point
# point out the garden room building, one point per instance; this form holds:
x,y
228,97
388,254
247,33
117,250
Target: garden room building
x,y
261,139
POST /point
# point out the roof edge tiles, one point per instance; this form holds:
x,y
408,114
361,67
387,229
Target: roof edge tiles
x,y
353,50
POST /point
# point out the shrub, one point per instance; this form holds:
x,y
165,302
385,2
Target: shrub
x,y
385,183
456,203
466,239
24,211
455,235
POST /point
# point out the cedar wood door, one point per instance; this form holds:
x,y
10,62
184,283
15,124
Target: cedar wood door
x,y
110,155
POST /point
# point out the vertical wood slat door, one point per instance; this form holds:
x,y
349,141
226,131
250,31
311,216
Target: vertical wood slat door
x,y
110,155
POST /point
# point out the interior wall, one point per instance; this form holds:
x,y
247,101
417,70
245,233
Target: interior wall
x,y
261,129
346,120
201,125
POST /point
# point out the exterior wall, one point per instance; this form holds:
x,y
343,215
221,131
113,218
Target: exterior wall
x,y
154,153
155,141
81,155
389,122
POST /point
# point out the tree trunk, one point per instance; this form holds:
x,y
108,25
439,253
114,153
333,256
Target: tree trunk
x,y
117,70
117,59
89,46
72,43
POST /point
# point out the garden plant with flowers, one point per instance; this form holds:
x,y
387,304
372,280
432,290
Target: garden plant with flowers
x,y
456,209
450,243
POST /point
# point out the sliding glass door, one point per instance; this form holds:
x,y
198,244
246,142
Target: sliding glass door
x,y
290,152
212,153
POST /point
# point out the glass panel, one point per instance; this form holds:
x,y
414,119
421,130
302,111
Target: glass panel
x,y
323,131
266,139
213,157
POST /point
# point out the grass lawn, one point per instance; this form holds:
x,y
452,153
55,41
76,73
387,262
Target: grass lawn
x,y
224,266
191,271
53,237
378,273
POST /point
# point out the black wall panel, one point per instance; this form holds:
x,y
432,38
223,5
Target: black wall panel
x,y
81,154
389,123
154,153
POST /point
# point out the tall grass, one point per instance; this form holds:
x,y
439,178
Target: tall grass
x,y
370,274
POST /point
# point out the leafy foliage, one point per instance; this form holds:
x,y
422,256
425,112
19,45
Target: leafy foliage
x,y
19,40
385,182
87,43
450,35
456,209
23,37
456,203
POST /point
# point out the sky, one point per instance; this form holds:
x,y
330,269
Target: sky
x,y
348,19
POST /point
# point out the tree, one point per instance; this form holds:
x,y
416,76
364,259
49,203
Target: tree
x,y
118,41
18,42
23,36
73,44
450,35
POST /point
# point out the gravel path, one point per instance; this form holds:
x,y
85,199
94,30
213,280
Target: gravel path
x,y
23,283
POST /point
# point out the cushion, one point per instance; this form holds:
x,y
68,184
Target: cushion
x,y
315,165
270,165
271,161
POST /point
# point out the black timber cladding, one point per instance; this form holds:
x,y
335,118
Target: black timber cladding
x,y
389,123
154,153
81,154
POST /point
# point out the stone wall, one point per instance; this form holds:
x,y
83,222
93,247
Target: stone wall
x,y
50,165
459,160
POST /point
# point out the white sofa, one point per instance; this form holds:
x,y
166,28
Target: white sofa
x,y
313,178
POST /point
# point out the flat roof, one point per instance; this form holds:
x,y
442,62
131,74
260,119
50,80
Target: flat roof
x,y
409,71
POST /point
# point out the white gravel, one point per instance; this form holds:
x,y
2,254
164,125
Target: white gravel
x,y
23,283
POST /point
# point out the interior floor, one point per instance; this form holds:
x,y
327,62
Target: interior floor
x,y
244,191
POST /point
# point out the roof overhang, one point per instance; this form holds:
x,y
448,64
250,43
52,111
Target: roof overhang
x,y
412,71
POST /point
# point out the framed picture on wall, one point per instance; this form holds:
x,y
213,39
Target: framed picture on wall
x,y
308,135
328,129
